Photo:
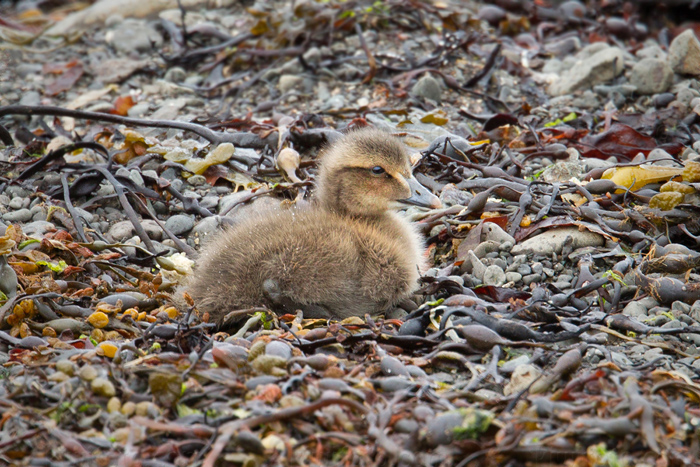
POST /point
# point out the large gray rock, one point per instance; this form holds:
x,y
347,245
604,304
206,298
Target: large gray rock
x,y
651,76
590,69
684,54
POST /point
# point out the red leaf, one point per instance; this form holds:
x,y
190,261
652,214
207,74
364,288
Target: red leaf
x,y
619,141
69,73
122,105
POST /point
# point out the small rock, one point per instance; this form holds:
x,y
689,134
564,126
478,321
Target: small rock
x,y
207,226
532,279
684,54
37,228
651,76
121,231
513,277
21,215
30,98
428,88
635,310
652,354
334,103
588,71
279,349
312,56
478,268
495,233
17,203
175,74
179,224
287,83
494,275
197,180
134,35
553,240
152,229
522,377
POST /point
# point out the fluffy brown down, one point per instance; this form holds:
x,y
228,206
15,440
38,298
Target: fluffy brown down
x,y
347,254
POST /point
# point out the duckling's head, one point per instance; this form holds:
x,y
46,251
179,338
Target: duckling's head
x,y
367,173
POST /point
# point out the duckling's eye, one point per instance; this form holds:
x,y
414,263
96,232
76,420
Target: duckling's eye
x,y
377,170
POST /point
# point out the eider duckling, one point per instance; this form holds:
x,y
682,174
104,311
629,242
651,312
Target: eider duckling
x,y
347,254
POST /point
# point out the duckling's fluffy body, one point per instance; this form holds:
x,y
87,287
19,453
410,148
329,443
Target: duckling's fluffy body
x,y
347,254
337,265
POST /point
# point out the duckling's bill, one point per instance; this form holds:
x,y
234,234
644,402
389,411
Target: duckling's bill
x,y
420,195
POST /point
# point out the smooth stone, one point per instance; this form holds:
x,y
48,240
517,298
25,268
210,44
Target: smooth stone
x,y
651,76
334,103
494,275
478,268
30,98
287,83
207,226
684,54
427,87
552,241
175,74
493,232
661,157
652,354
17,203
635,310
134,35
179,224
21,215
589,70
522,377
36,228
486,247
121,231
532,279
152,229
197,180
513,277
209,202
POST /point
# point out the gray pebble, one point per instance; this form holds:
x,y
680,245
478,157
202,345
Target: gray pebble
x,y
152,229
652,354
428,88
38,228
121,231
209,202
278,349
207,226
30,98
513,277
684,53
537,268
17,203
289,82
21,215
180,224
494,275
38,213
197,180
651,76
532,278
175,75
